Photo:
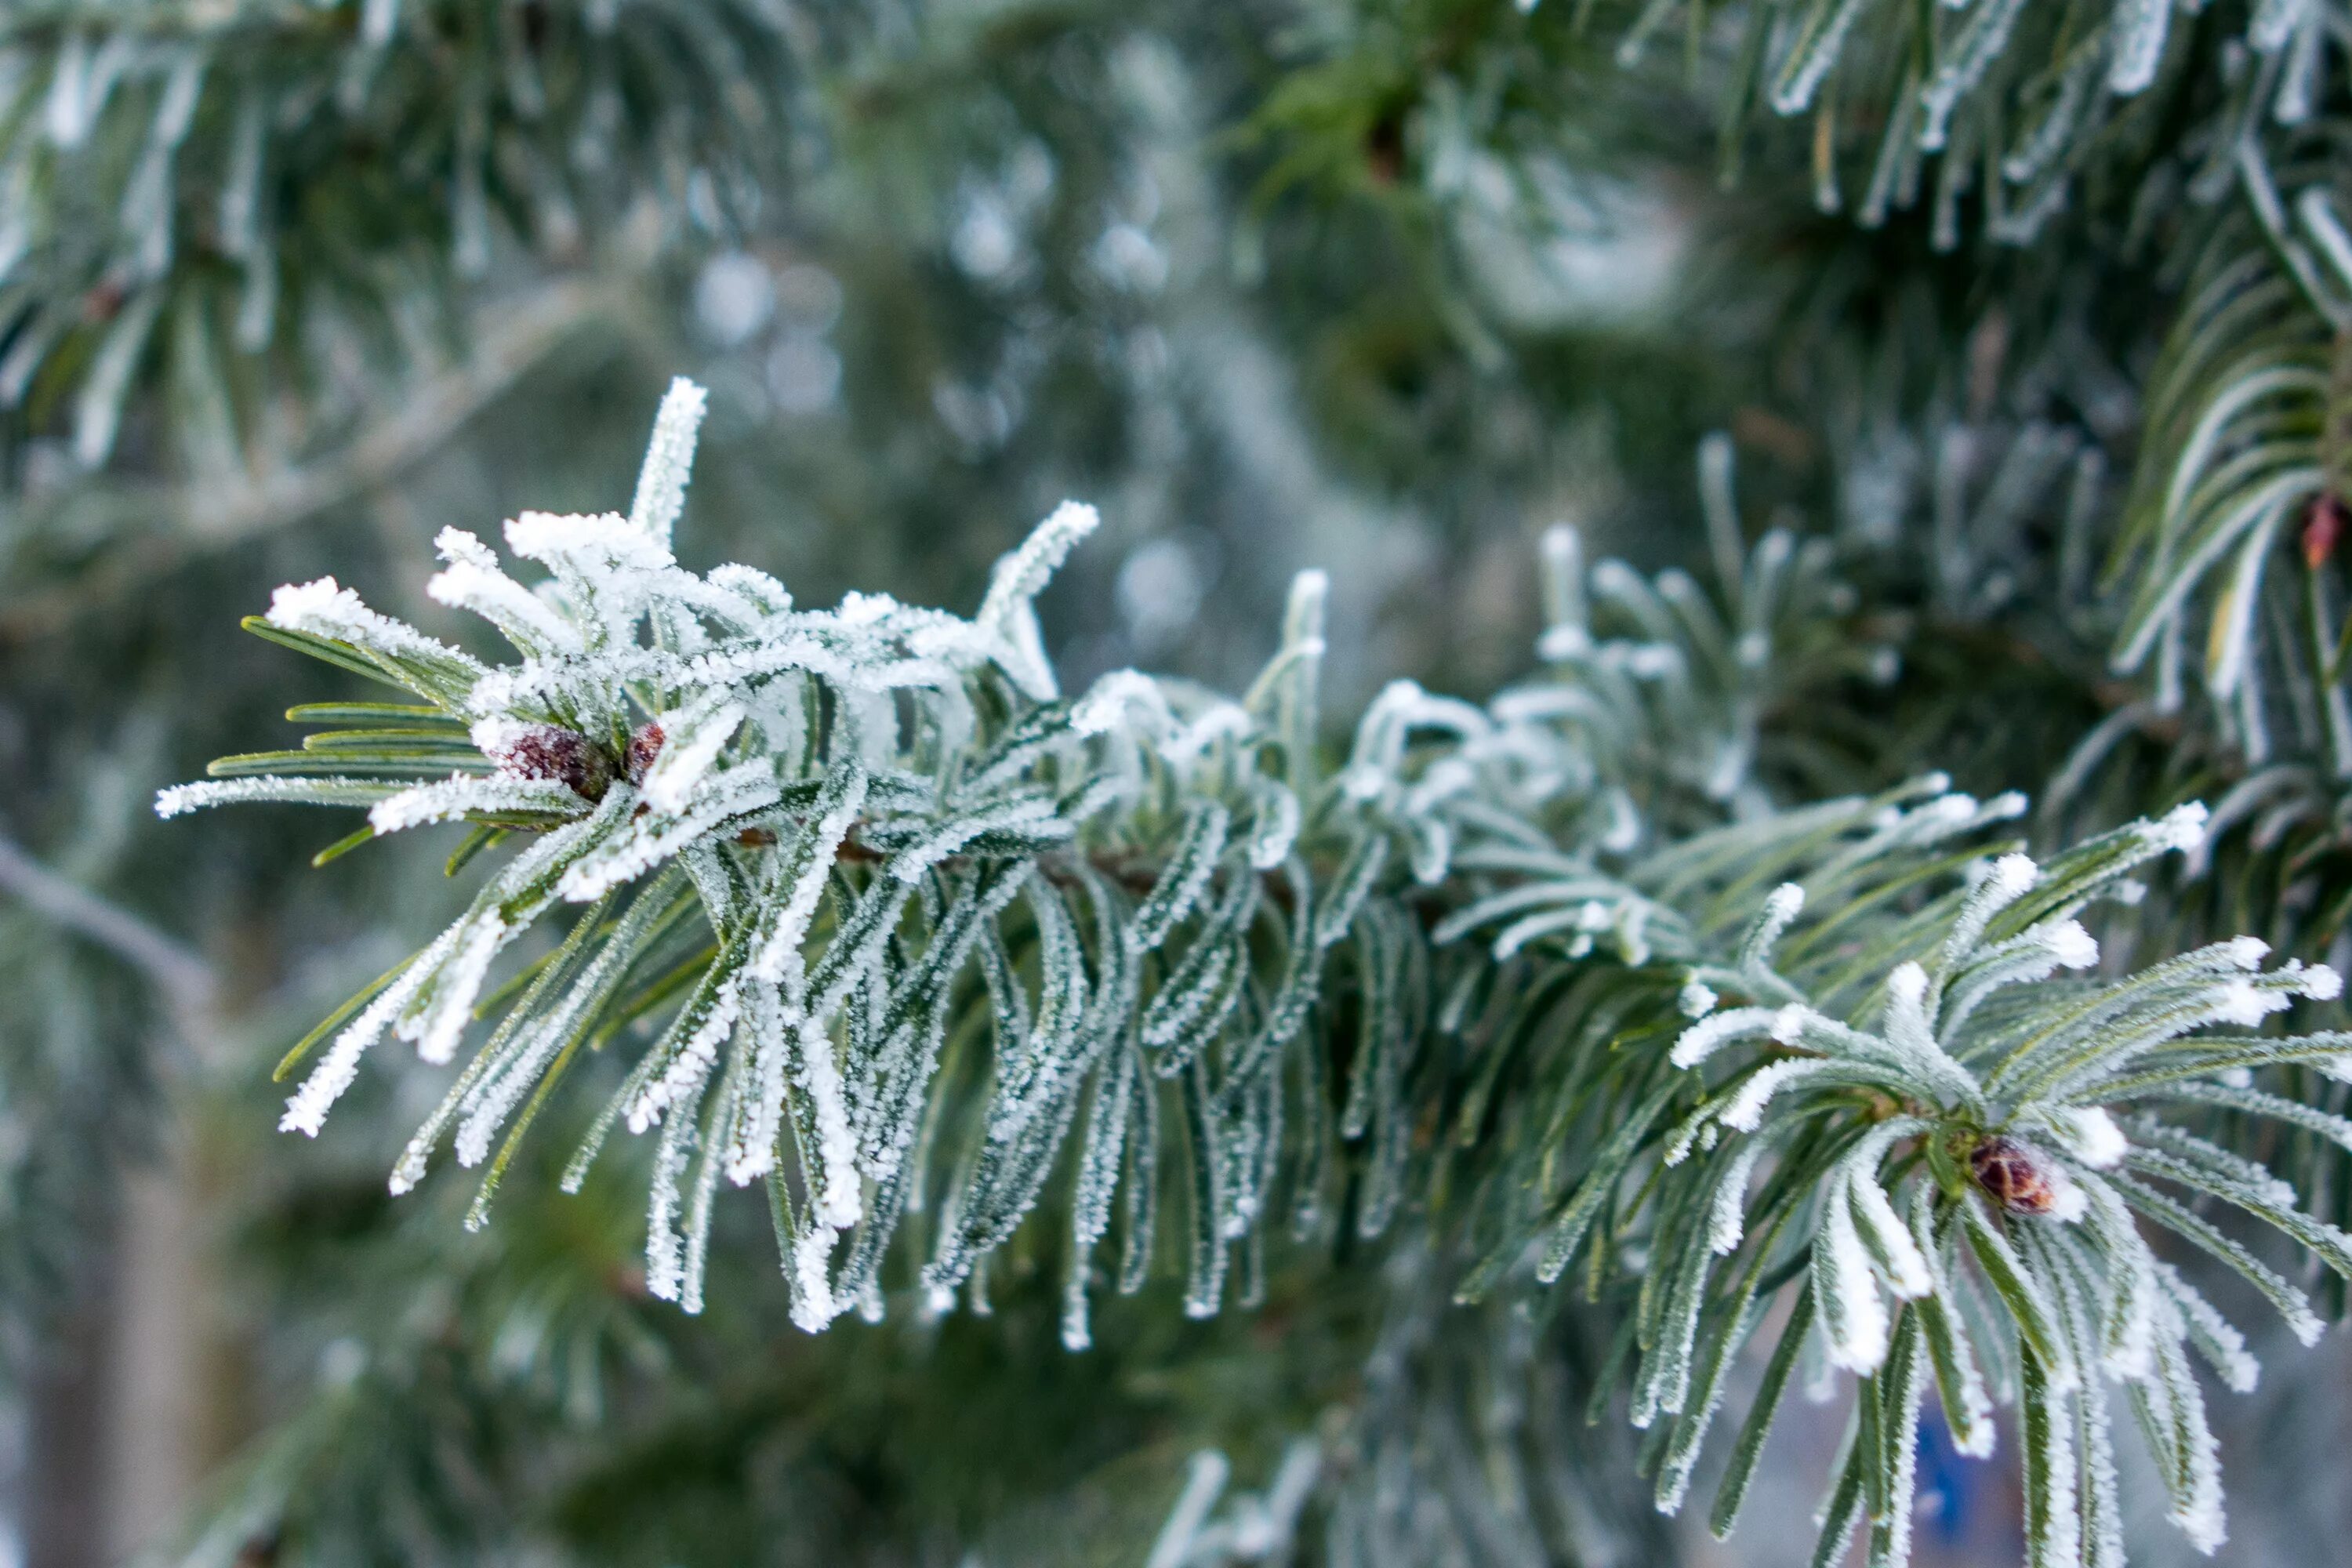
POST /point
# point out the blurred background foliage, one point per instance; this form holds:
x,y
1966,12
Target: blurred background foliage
x,y
1381,285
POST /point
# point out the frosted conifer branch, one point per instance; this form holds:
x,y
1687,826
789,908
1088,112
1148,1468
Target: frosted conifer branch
x,y
880,856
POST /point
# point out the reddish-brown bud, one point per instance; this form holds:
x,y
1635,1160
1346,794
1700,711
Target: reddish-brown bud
x,y
553,752
2014,1176
644,745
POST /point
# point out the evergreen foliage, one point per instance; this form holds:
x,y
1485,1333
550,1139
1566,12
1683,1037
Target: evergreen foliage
x,y
938,948
220,200
1256,1114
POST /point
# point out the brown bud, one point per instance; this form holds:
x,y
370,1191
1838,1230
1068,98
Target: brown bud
x,y
644,745
553,752
2323,530
2014,1176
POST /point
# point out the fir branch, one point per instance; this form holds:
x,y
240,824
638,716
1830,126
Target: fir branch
x,y
911,863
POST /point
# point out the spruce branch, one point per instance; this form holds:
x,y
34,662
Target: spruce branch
x,y
943,952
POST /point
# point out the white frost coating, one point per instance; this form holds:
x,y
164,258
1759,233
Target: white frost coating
x,y
1789,1024
650,839
1204,1481
1911,1033
2200,1515
1696,999
2182,829
1947,810
2137,32
495,734
1907,1025
178,799
1624,828
2322,983
379,19
752,1149
813,1305
1563,582
1853,1314
2239,1003
492,1101
2130,1332
1563,642
2098,1142
1183,878
1167,1020
1780,906
1982,42
692,1065
1431,851
2216,1335
1795,94
534,683
691,742
2008,879
1649,661
2068,1201
1727,1216
1905,1268
577,539
2059,1543
818,1078
307,1107
1220,721
1976,1436
1109,701
473,582
1019,574
2068,943
756,588
1687,1137
447,800
1711,1033
1746,1109
437,1029
665,1249
669,462
1017,577
777,957
1034,815
1441,780
2012,875
325,608
1401,707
